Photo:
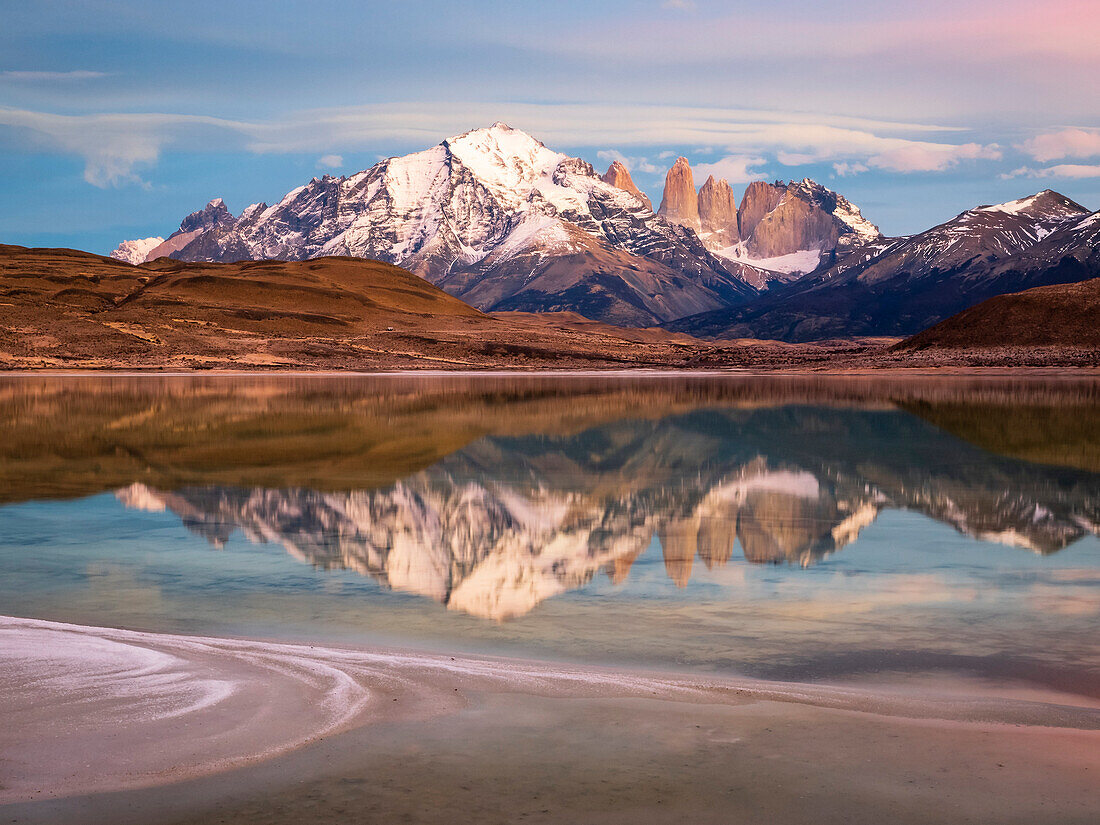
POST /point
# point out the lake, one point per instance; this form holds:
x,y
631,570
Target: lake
x,y
892,534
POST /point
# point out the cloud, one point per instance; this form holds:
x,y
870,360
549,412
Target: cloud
x,y
795,158
79,74
844,169
116,146
632,164
330,161
1064,170
1068,143
680,5
930,157
734,168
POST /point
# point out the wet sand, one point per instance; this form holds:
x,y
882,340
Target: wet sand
x,y
107,725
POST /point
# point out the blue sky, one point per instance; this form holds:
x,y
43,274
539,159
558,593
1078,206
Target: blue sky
x,y
118,118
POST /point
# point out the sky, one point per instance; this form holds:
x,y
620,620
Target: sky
x,y
119,117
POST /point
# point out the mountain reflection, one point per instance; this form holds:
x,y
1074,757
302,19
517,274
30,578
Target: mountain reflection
x,y
502,524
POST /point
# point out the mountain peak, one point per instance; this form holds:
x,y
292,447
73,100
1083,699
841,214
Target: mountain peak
x,y
619,176
215,213
508,161
1046,204
718,213
680,203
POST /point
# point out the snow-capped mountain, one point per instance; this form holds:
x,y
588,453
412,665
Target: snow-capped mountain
x,y
136,251
494,217
901,286
976,236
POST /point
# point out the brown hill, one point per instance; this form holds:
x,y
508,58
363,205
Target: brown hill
x,y
60,308
1062,315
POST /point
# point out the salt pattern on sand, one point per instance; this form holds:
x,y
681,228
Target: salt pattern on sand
x,y
91,708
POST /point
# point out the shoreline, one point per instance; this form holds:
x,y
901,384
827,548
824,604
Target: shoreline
x,y
77,691
641,372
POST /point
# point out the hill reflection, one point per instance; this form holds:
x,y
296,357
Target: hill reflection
x,y
508,520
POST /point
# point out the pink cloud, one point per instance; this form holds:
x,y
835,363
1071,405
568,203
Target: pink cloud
x,y
1062,170
734,168
1068,143
929,157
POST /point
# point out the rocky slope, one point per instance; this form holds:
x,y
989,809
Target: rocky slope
x,y
494,217
808,216
901,286
759,199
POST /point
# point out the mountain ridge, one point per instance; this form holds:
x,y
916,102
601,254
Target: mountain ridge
x,y
498,219
901,286
486,216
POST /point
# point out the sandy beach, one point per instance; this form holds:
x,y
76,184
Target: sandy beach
x,y
91,711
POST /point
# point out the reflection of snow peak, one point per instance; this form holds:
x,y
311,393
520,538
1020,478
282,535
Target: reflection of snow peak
x,y
800,484
139,497
496,549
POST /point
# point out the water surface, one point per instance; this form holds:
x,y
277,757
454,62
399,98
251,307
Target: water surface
x,y
793,528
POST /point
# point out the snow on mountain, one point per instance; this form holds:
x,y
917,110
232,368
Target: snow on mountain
x,y
903,285
491,205
985,232
790,266
838,206
137,251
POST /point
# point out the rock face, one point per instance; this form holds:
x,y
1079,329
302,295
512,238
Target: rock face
x,y
619,176
793,225
779,232
493,217
680,203
904,285
759,199
718,214
802,216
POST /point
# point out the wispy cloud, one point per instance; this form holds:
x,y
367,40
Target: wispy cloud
x,y
116,146
632,164
844,169
679,5
330,161
930,157
734,168
1063,170
32,76
1067,143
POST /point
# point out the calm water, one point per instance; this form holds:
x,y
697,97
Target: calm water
x,y
785,527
